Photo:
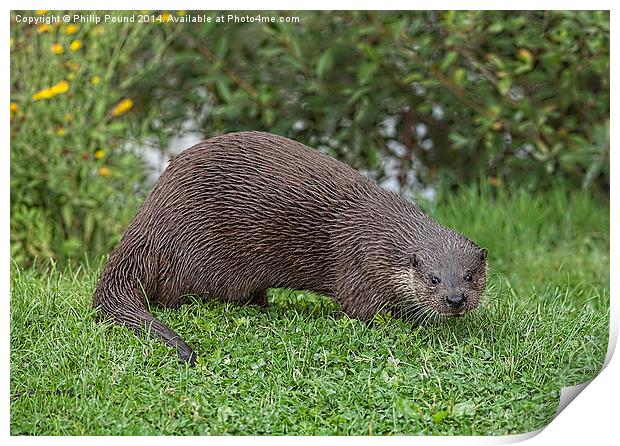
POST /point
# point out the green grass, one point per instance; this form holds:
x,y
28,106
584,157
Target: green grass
x,y
299,367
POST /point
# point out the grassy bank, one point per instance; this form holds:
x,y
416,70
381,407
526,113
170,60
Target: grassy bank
x,y
299,367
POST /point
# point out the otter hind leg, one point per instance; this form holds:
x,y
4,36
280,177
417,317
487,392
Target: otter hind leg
x,y
259,298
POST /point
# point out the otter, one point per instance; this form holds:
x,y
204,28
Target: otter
x,y
243,212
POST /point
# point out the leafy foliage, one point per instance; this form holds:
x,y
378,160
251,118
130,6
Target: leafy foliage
x,y
454,95
418,100
75,180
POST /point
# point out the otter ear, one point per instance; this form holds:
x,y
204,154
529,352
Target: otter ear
x,y
484,253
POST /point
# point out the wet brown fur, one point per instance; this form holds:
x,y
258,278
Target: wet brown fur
x,y
244,212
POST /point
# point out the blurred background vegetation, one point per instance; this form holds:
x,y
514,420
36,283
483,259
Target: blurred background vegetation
x,y
424,102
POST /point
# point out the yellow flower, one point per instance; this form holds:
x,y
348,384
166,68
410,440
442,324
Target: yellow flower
x,y
71,29
71,76
72,66
76,45
164,17
181,13
57,48
60,87
99,154
43,28
60,131
40,11
14,109
95,80
122,107
68,117
46,93
103,171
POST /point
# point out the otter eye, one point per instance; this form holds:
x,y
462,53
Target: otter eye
x,y
468,278
434,280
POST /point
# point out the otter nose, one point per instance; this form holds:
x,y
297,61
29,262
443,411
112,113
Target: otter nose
x,y
455,300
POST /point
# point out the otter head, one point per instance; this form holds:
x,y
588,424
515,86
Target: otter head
x,y
446,279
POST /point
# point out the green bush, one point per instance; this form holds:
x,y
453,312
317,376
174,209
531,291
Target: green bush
x,y
75,180
510,96
415,99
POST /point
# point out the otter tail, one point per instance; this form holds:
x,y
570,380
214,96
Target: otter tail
x,y
124,302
